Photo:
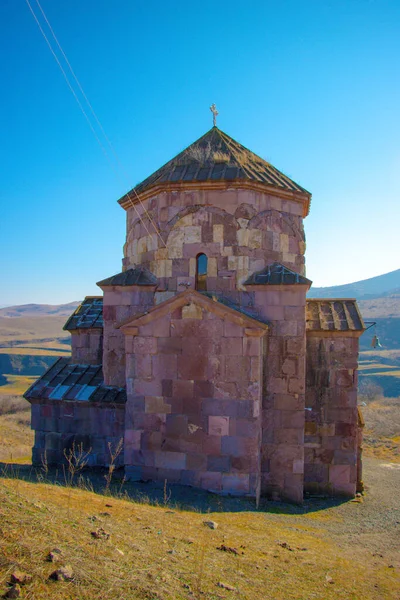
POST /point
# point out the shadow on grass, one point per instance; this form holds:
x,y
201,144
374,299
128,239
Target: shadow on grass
x,y
168,495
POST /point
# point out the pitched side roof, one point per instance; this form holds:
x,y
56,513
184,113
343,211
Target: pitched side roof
x,y
188,297
135,276
218,157
88,315
333,314
67,381
276,274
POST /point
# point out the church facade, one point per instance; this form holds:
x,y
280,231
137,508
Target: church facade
x,y
204,354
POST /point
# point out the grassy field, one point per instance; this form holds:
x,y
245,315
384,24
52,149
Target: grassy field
x,y
123,549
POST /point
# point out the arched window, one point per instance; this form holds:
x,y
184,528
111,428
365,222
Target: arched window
x,y
201,272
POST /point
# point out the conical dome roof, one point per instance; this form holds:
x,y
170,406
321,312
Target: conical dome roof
x,y
216,157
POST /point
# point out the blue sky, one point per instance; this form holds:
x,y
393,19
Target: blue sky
x,y
312,86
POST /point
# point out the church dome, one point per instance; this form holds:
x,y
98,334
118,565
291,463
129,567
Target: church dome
x,y
216,159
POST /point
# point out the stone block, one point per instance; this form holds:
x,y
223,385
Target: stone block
x,y
251,346
339,475
193,367
235,483
169,345
147,388
218,425
145,345
238,446
170,460
212,444
164,366
176,425
192,311
157,404
220,464
232,329
247,428
232,346
211,481
293,419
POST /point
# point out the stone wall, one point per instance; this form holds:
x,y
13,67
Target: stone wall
x,y
120,302
282,467
194,397
87,346
240,231
59,424
331,431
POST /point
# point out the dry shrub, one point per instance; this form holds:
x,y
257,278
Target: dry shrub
x,y
10,405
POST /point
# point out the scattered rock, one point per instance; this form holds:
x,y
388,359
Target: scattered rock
x,y
390,566
226,586
64,573
228,549
358,499
105,514
329,579
108,505
171,551
211,524
13,592
54,555
100,534
21,577
285,545
188,541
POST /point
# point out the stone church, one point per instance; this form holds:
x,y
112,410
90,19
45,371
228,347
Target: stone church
x,y
204,354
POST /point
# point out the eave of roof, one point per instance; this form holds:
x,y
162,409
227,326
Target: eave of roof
x,y
333,315
74,382
277,274
135,276
88,315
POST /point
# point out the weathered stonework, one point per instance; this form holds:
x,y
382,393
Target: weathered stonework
x,y
204,355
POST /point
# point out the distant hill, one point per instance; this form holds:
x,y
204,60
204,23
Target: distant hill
x,y
387,285
39,310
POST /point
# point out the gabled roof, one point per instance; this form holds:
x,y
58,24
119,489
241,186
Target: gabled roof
x,y
67,381
88,315
277,274
193,297
333,314
217,157
136,276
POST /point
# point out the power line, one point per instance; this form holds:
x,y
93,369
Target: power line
x,y
93,113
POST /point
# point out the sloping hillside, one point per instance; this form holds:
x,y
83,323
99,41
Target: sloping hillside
x,y
382,285
38,310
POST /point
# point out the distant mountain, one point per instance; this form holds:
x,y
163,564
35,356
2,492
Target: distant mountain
x,y
39,310
387,285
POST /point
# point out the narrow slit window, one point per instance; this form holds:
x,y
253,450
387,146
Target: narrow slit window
x,y
201,272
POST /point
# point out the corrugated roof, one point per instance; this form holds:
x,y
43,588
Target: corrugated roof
x,y
218,157
333,314
67,381
276,274
136,276
88,315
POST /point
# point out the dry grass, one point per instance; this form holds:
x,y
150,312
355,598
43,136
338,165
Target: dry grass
x,y
16,384
36,351
15,433
382,428
158,553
